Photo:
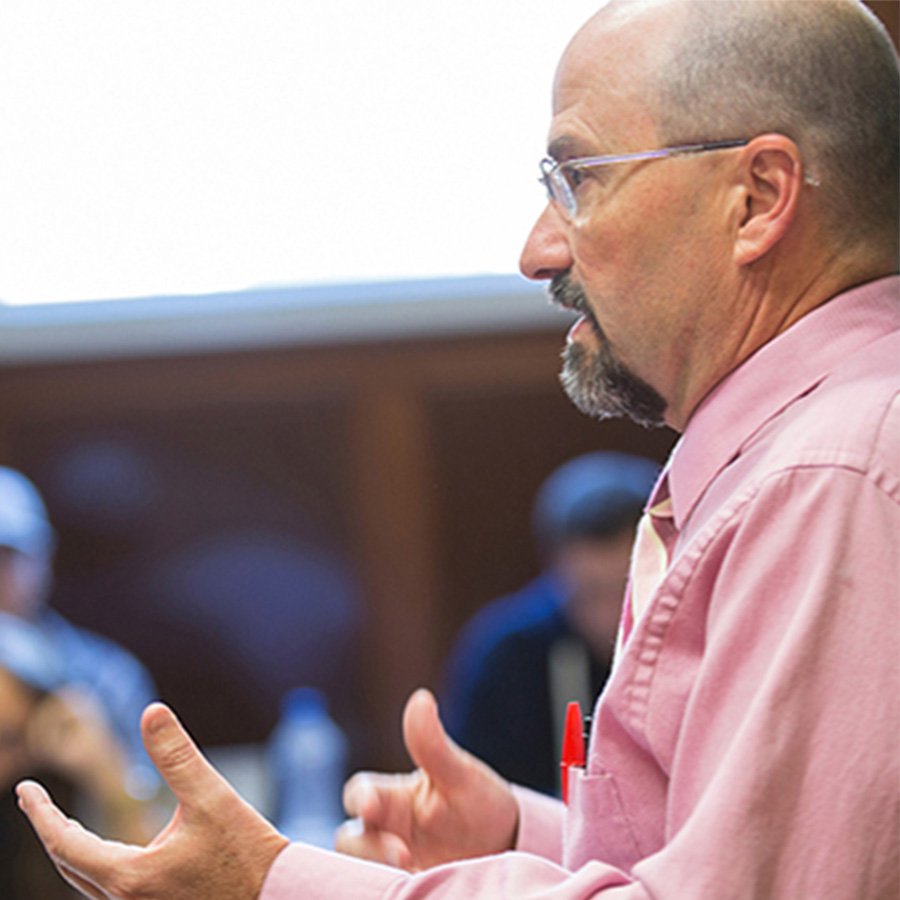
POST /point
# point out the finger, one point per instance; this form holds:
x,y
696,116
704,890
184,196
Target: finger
x,y
187,772
382,802
429,745
67,842
354,839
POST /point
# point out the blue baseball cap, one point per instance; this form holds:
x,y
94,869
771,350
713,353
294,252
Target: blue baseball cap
x,y
596,495
24,525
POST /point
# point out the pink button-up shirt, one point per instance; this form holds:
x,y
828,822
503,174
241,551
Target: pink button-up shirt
x,y
747,742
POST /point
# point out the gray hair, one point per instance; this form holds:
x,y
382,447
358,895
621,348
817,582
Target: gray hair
x,y
823,73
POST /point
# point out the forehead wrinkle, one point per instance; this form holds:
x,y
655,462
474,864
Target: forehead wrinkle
x,y
599,116
600,89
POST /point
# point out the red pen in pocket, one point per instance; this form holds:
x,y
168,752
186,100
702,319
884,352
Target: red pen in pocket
x,y
572,745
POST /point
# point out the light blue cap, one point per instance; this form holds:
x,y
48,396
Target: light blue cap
x,y
23,517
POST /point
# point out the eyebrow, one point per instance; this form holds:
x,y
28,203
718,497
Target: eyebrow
x,y
567,147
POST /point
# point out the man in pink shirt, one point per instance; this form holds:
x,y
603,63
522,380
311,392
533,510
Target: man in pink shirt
x,y
723,214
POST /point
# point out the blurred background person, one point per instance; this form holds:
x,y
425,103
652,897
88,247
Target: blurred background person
x,y
59,730
70,703
108,673
522,658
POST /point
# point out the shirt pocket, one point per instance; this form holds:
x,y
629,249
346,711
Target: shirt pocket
x,y
596,825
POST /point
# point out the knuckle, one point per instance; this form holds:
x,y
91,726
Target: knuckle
x,y
177,755
56,842
54,847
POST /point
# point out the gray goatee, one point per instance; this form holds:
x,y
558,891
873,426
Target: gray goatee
x,y
596,381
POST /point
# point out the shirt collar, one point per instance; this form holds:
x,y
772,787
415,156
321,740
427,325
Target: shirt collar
x,y
769,380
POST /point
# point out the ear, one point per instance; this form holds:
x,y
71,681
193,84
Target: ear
x,y
772,181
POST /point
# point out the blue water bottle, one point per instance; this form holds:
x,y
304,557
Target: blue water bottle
x,y
307,758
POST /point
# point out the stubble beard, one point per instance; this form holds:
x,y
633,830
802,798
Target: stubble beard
x,y
596,380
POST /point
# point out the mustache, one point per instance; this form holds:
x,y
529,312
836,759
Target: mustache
x,y
566,293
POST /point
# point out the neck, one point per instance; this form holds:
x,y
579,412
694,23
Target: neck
x,y
767,300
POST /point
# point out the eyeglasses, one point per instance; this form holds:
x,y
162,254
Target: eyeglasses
x,y
562,179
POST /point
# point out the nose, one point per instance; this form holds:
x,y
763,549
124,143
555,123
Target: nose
x,y
546,252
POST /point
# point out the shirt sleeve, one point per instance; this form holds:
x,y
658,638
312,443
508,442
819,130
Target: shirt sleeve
x,y
541,821
301,872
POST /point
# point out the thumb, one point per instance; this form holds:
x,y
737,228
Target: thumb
x,y
180,762
429,745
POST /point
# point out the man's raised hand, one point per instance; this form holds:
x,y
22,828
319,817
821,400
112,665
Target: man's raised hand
x,y
216,846
452,807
